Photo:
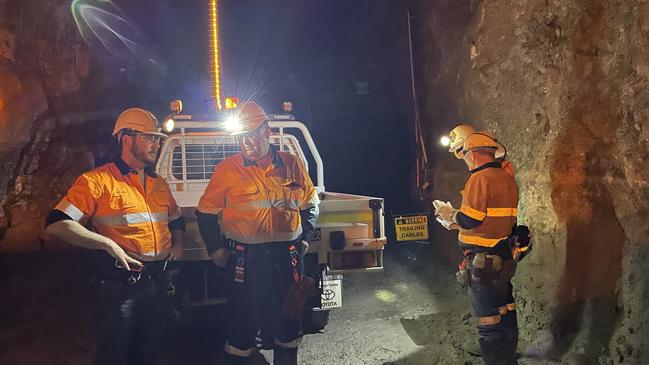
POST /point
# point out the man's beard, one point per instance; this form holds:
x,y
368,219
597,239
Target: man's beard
x,y
142,156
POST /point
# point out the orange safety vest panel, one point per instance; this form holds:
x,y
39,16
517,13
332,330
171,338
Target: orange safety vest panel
x,y
114,201
259,205
491,196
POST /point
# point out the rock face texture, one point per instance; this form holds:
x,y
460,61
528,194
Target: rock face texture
x,y
29,71
58,100
564,86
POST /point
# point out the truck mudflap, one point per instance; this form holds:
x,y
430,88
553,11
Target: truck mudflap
x,y
332,292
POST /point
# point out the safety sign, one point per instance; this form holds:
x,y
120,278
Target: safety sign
x,y
411,228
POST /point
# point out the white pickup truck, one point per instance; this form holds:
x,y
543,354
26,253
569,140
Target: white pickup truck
x,y
350,234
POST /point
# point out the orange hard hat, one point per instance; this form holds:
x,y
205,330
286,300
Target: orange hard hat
x,y
138,120
249,117
480,140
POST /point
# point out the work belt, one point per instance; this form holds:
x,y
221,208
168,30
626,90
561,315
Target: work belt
x,y
111,271
488,266
241,252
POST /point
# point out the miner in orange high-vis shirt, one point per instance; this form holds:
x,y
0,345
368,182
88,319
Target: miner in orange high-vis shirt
x,y
262,205
138,226
487,220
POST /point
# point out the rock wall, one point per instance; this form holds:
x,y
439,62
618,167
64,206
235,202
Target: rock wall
x,y
42,60
564,86
59,95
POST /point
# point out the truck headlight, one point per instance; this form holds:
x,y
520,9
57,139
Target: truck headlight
x,y
169,125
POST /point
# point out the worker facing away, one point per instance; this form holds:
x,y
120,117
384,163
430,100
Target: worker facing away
x,y
458,135
488,236
257,215
138,227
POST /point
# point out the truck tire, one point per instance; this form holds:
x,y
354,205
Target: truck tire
x,y
314,321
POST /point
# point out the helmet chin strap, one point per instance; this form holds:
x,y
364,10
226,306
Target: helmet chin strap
x,y
468,159
504,156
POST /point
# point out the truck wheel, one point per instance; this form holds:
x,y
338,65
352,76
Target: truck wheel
x,y
314,321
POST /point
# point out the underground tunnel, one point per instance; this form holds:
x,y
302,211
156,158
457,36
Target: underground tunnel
x,y
561,85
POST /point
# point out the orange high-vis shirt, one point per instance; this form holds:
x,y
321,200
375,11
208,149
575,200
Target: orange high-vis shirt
x,y
259,205
114,201
491,196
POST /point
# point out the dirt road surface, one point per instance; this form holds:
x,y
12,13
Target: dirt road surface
x,y
412,313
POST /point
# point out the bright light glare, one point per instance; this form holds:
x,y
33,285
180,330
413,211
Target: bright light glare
x,y
169,125
233,124
445,141
100,22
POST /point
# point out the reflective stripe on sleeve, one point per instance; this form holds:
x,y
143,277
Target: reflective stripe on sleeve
x,y
473,213
511,307
502,212
131,218
69,209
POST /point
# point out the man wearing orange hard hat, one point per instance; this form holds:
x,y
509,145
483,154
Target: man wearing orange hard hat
x,y
491,241
256,217
138,229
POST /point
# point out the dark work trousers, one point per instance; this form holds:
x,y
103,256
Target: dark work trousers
x,y
495,310
260,276
129,320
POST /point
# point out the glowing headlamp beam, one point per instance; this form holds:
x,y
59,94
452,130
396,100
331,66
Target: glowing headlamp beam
x,y
233,124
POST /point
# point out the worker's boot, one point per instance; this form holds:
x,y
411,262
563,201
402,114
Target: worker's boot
x,y
498,351
510,339
508,354
285,356
473,348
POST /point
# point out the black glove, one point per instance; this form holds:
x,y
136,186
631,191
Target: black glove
x,y
522,234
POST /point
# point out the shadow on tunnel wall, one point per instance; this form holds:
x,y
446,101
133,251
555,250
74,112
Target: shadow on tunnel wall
x,y
587,297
